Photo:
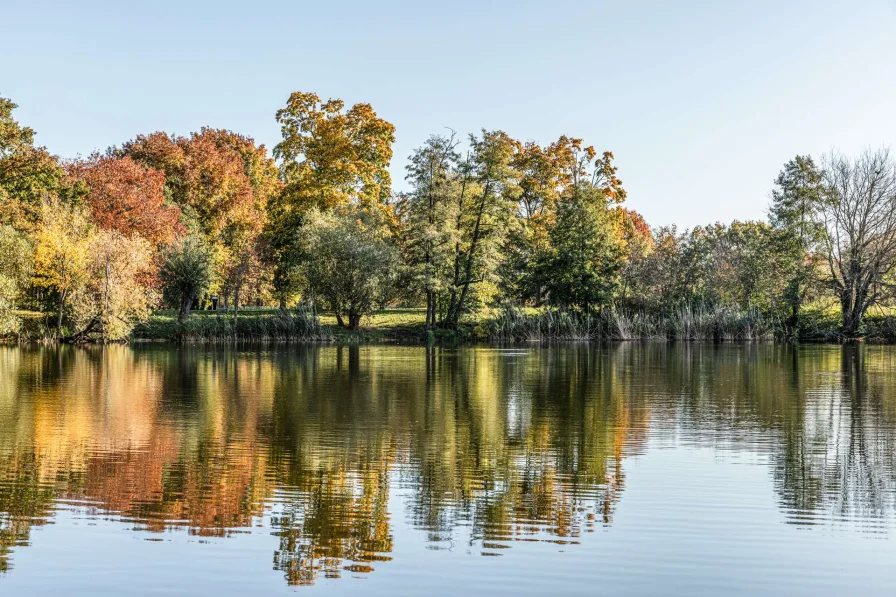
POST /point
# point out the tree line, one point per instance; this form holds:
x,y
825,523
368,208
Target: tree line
x,y
487,223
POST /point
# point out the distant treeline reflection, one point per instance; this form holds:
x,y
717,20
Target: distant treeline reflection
x,y
509,445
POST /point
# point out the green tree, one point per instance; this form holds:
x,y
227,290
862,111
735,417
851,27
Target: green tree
x,y
585,257
796,201
347,261
427,212
486,199
16,266
28,173
187,273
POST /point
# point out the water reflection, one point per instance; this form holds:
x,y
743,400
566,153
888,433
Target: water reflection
x,y
491,446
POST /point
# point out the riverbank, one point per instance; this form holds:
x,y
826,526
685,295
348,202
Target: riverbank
x,y
389,326
407,326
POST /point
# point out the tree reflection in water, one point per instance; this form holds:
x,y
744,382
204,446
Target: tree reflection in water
x,y
491,446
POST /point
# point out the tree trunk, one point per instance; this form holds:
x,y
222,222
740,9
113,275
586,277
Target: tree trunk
x,y
354,319
852,304
283,302
185,304
339,321
59,314
430,312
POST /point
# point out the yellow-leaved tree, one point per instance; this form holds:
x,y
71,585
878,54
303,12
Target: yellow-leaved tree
x,y
62,243
116,294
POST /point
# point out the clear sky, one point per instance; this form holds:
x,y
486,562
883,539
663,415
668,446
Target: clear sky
x,y
701,102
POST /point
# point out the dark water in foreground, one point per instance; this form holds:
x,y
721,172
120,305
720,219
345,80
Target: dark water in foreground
x,y
622,470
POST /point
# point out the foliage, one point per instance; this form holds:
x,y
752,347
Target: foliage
x,y
28,173
62,251
330,158
126,197
16,266
582,265
348,261
222,182
796,200
115,295
425,213
488,220
186,273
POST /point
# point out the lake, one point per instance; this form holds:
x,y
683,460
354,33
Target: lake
x,y
627,469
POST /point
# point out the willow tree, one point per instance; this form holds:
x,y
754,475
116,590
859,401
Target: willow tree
x,y
858,213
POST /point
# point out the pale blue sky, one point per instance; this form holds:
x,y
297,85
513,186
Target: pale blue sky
x,y
701,102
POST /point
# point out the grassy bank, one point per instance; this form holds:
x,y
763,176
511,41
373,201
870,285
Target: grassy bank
x,y
407,326
390,325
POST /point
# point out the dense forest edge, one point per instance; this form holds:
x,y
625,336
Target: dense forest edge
x,y
209,237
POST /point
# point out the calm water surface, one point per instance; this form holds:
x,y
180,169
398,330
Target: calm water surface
x,y
623,470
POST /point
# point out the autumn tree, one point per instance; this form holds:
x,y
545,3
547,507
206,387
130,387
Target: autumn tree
x,y
115,295
125,196
330,157
222,181
637,243
28,173
61,260
545,174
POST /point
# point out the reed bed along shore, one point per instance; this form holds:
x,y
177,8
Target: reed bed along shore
x,y
684,323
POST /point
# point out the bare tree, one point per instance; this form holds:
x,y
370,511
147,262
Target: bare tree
x,y
859,215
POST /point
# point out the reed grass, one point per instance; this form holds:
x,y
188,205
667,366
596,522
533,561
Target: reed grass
x,y
686,322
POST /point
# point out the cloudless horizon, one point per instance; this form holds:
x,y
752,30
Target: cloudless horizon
x,y
700,103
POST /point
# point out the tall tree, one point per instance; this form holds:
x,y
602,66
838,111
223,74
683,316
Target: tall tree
x,y
330,157
859,216
485,207
62,256
28,173
427,210
796,200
